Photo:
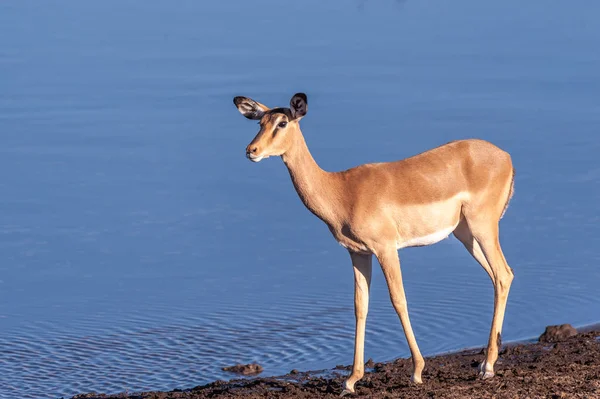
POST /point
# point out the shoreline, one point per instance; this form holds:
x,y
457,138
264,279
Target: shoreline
x,y
567,368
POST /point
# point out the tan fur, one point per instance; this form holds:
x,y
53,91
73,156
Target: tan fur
x,y
374,209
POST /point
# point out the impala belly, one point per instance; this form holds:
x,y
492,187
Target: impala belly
x,y
426,240
430,223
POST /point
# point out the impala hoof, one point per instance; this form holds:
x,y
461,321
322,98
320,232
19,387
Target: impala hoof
x,y
484,373
348,390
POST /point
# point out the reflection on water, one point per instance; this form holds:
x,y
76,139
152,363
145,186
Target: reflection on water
x,y
141,250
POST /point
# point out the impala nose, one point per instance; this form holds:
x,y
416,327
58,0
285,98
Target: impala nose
x,y
251,150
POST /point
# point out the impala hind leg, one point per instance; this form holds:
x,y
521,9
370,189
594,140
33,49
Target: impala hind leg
x,y
362,282
485,248
390,265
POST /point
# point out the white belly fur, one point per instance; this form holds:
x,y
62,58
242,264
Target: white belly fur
x,y
426,240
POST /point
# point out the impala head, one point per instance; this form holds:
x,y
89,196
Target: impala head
x,y
278,126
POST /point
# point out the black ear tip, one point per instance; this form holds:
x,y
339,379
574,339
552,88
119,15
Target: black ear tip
x,y
302,96
237,100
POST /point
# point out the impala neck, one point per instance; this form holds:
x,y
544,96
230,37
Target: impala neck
x,y
313,185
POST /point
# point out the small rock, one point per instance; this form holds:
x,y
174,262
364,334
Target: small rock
x,y
245,369
370,363
558,333
294,371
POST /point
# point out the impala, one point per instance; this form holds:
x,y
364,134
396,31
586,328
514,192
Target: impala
x,y
462,187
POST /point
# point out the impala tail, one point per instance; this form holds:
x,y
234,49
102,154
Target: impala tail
x,y
510,193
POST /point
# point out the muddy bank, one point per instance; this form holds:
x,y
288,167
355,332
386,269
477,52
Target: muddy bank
x,y
566,369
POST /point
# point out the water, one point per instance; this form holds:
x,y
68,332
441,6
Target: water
x,y
140,249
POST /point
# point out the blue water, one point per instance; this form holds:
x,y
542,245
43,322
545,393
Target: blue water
x,y
139,249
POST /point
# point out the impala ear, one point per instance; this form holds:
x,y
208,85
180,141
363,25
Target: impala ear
x,y
299,105
249,108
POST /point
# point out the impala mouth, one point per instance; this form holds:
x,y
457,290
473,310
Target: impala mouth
x,y
254,158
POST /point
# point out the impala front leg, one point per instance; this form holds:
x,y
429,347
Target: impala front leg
x,y
362,282
390,265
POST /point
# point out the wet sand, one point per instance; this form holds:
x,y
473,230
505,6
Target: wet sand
x,y
566,369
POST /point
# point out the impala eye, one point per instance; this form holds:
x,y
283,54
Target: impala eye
x,y
282,124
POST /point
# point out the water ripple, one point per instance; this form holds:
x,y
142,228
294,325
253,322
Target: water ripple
x,y
139,357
